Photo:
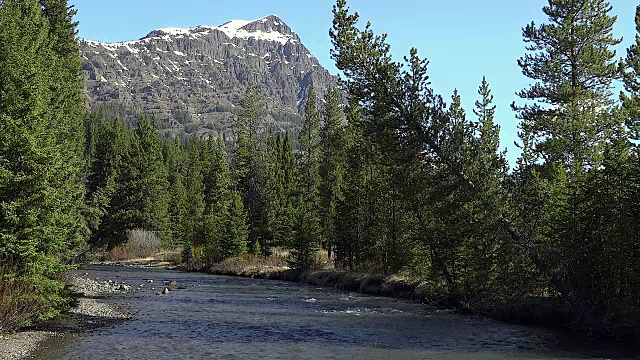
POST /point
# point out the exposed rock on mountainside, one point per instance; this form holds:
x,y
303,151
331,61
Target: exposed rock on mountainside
x,y
193,79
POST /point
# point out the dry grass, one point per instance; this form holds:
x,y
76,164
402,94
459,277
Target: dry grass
x,y
281,252
250,265
174,256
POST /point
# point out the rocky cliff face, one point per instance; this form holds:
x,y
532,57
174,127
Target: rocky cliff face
x,y
193,79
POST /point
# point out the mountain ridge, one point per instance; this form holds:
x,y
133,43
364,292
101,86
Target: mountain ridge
x,y
192,79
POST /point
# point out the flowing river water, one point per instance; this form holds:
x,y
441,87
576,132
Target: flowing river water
x,y
217,317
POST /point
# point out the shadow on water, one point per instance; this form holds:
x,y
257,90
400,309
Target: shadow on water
x,y
237,318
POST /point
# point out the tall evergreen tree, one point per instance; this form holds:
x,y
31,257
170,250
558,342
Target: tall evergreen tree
x,y
104,166
234,240
306,239
631,79
349,223
141,199
274,187
178,210
283,191
218,198
572,60
194,222
41,160
309,155
331,171
289,167
67,108
175,159
485,245
450,197
249,169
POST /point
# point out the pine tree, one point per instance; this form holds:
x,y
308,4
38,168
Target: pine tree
x,y
306,222
218,197
194,229
489,131
572,60
401,118
141,199
26,137
309,156
178,204
41,167
111,229
234,240
631,78
289,167
104,166
332,146
488,170
631,108
249,172
68,110
286,192
217,175
450,198
349,224
273,181
175,159
305,244
274,177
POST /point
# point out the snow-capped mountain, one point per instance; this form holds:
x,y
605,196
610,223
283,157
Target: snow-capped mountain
x,y
192,79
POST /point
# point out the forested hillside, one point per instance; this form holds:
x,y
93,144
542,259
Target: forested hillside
x,y
400,180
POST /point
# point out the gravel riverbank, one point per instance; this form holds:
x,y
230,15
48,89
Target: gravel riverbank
x,y
23,344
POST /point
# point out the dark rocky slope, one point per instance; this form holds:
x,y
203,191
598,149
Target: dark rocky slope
x,y
192,79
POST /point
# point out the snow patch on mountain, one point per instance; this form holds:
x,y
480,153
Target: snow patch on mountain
x,y
242,29
175,31
238,29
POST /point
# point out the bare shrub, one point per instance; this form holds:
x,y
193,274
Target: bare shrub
x,y
143,243
19,301
140,244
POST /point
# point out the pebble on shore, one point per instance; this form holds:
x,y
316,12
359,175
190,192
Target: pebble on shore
x,y
22,344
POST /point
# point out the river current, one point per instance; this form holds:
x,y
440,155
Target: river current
x,y
217,317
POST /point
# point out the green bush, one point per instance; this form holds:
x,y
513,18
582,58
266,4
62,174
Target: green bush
x,y
25,299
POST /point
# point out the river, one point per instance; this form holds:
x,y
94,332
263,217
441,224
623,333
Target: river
x,y
217,317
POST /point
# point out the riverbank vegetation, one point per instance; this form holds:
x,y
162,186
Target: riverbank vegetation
x,y
41,156
394,180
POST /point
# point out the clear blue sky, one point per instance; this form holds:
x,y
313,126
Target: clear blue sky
x,y
463,39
